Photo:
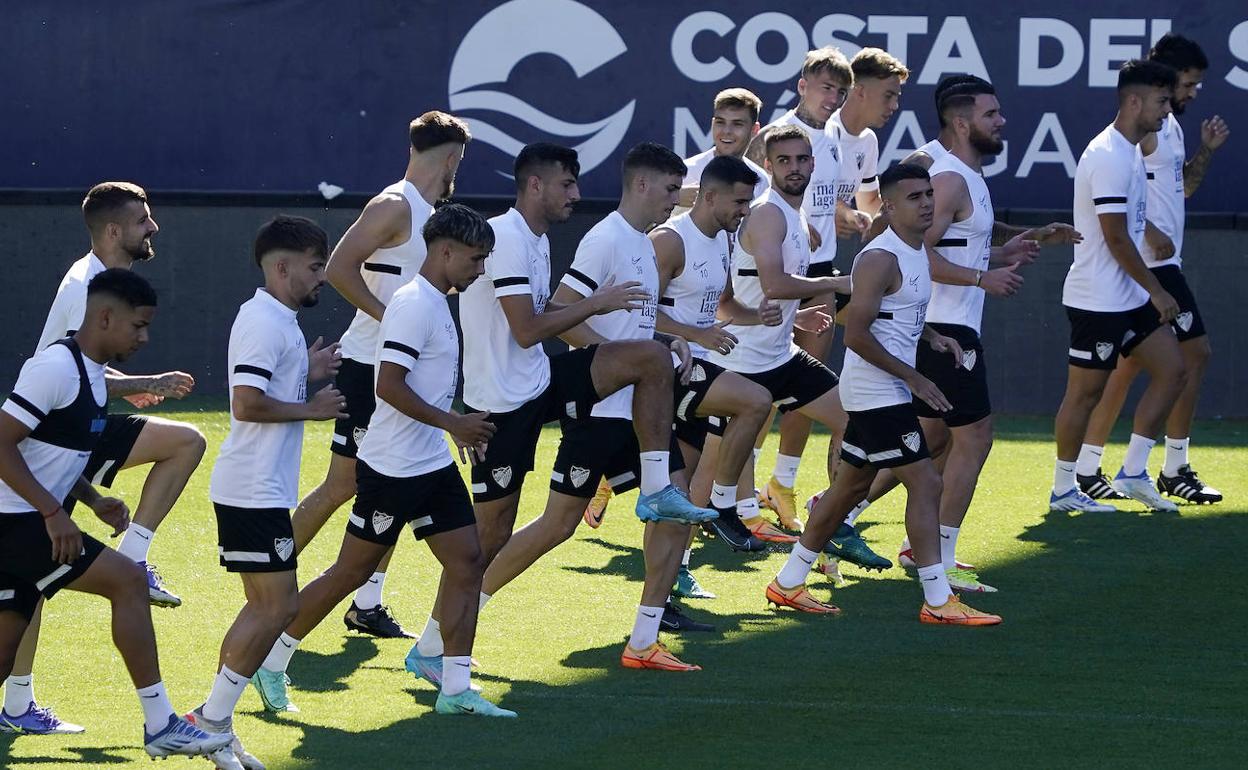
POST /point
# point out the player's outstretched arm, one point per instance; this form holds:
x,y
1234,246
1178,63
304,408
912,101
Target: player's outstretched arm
x,y
580,335
530,328
764,239
385,221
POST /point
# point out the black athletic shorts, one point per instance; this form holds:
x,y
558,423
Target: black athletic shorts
x,y
27,570
694,432
597,448
1188,325
355,382
513,447
796,382
887,437
965,386
121,431
689,397
1096,338
254,539
430,503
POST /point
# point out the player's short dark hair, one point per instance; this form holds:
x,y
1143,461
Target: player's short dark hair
x,y
106,199
435,128
1179,52
961,96
900,171
538,154
288,233
784,134
828,60
878,64
954,84
1149,74
124,285
651,156
458,223
728,170
739,99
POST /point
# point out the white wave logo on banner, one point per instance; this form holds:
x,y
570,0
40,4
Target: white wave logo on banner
x,y
516,30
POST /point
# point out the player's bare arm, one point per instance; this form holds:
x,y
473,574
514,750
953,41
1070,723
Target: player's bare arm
x,y
764,239
1124,252
578,335
254,405
385,221
1213,133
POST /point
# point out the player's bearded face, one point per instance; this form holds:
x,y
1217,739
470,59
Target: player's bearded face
x,y
986,142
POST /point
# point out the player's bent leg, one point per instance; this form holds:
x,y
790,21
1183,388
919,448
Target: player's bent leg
x,y
357,559
968,451
534,540
334,491
647,366
748,405
496,519
174,450
1084,387
663,544
1158,354
272,605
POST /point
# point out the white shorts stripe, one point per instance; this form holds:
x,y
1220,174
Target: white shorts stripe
x,y
556,476
684,406
789,400
52,576
570,409
478,489
423,521
887,454
853,450
248,556
6,595
623,478
98,478
340,439
356,521
1082,355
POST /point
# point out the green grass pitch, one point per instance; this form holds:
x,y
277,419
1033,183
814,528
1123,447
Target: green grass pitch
x,y
1122,644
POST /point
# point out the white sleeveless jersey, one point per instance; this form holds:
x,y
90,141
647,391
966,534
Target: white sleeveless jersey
x,y
819,203
384,272
897,327
1167,206
761,348
692,297
967,244
933,149
860,159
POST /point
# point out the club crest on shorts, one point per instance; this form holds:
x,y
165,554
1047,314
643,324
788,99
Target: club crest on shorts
x,y
912,440
698,374
358,435
1184,320
968,359
502,476
381,521
1104,350
284,546
578,475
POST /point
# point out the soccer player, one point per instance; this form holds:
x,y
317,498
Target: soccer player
x,y
883,325
255,481
1171,178
55,416
380,252
1116,305
121,227
734,122
870,104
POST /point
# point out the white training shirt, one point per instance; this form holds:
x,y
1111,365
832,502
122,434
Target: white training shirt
x,y
615,251
418,334
499,375
860,160
697,164
897,327
384,272
258,466
819,203
692,297
1108,180
762,348
49,380
933,149
70,305
967,243
1167,204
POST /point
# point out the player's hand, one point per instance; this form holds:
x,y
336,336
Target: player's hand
x,y
143,400
65,536
770,314
813,319
685,368
1214,132
327,404
472,432
1166,305
323,362
850,221
113,512
715,338
1055,233
625,296
1020,250
942,344
816,240
172,385
1001,281
1159,242
926,390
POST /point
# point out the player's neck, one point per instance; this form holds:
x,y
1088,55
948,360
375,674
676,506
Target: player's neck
x,y
533,216
428,179
912,238
112,257
91,347
704,220
282,295
964,152
794,201
634,214
806,117
854,122
436,278
1128,128
738,150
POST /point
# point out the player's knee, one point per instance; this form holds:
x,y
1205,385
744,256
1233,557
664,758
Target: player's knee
x,y
285,608
339,487
191,442
1196,354
927,483
129,581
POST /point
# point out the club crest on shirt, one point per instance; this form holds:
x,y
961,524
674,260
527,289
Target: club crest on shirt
x,y
502,476
284,546
1184,320
1104,350
912,440
968,359
381,521
578,475
698,374
358,435
858,158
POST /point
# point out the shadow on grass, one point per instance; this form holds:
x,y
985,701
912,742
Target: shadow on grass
x,y
86,756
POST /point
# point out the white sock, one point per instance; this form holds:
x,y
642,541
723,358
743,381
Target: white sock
x,y
645,627
905,543
1136,461
747,509
856,511
948,546
1063,477
226,690
1176,455
283,650
723,496
430,642
456,674
795,570
485,598
369,595
156,707
786,469
1089,459
655,475
684,560
19,693
136,542
935,584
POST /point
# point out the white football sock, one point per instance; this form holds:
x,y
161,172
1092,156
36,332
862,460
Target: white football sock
x,y
156,707
684,560
723,496
795,570
430,642
283,650
1176,455
485,598
645,627
786,469
856,511
226,690
1136,461
369,595
1089,459
19,693
456,674
935,584
1063,477
655,475
747,509
136,542
948,546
